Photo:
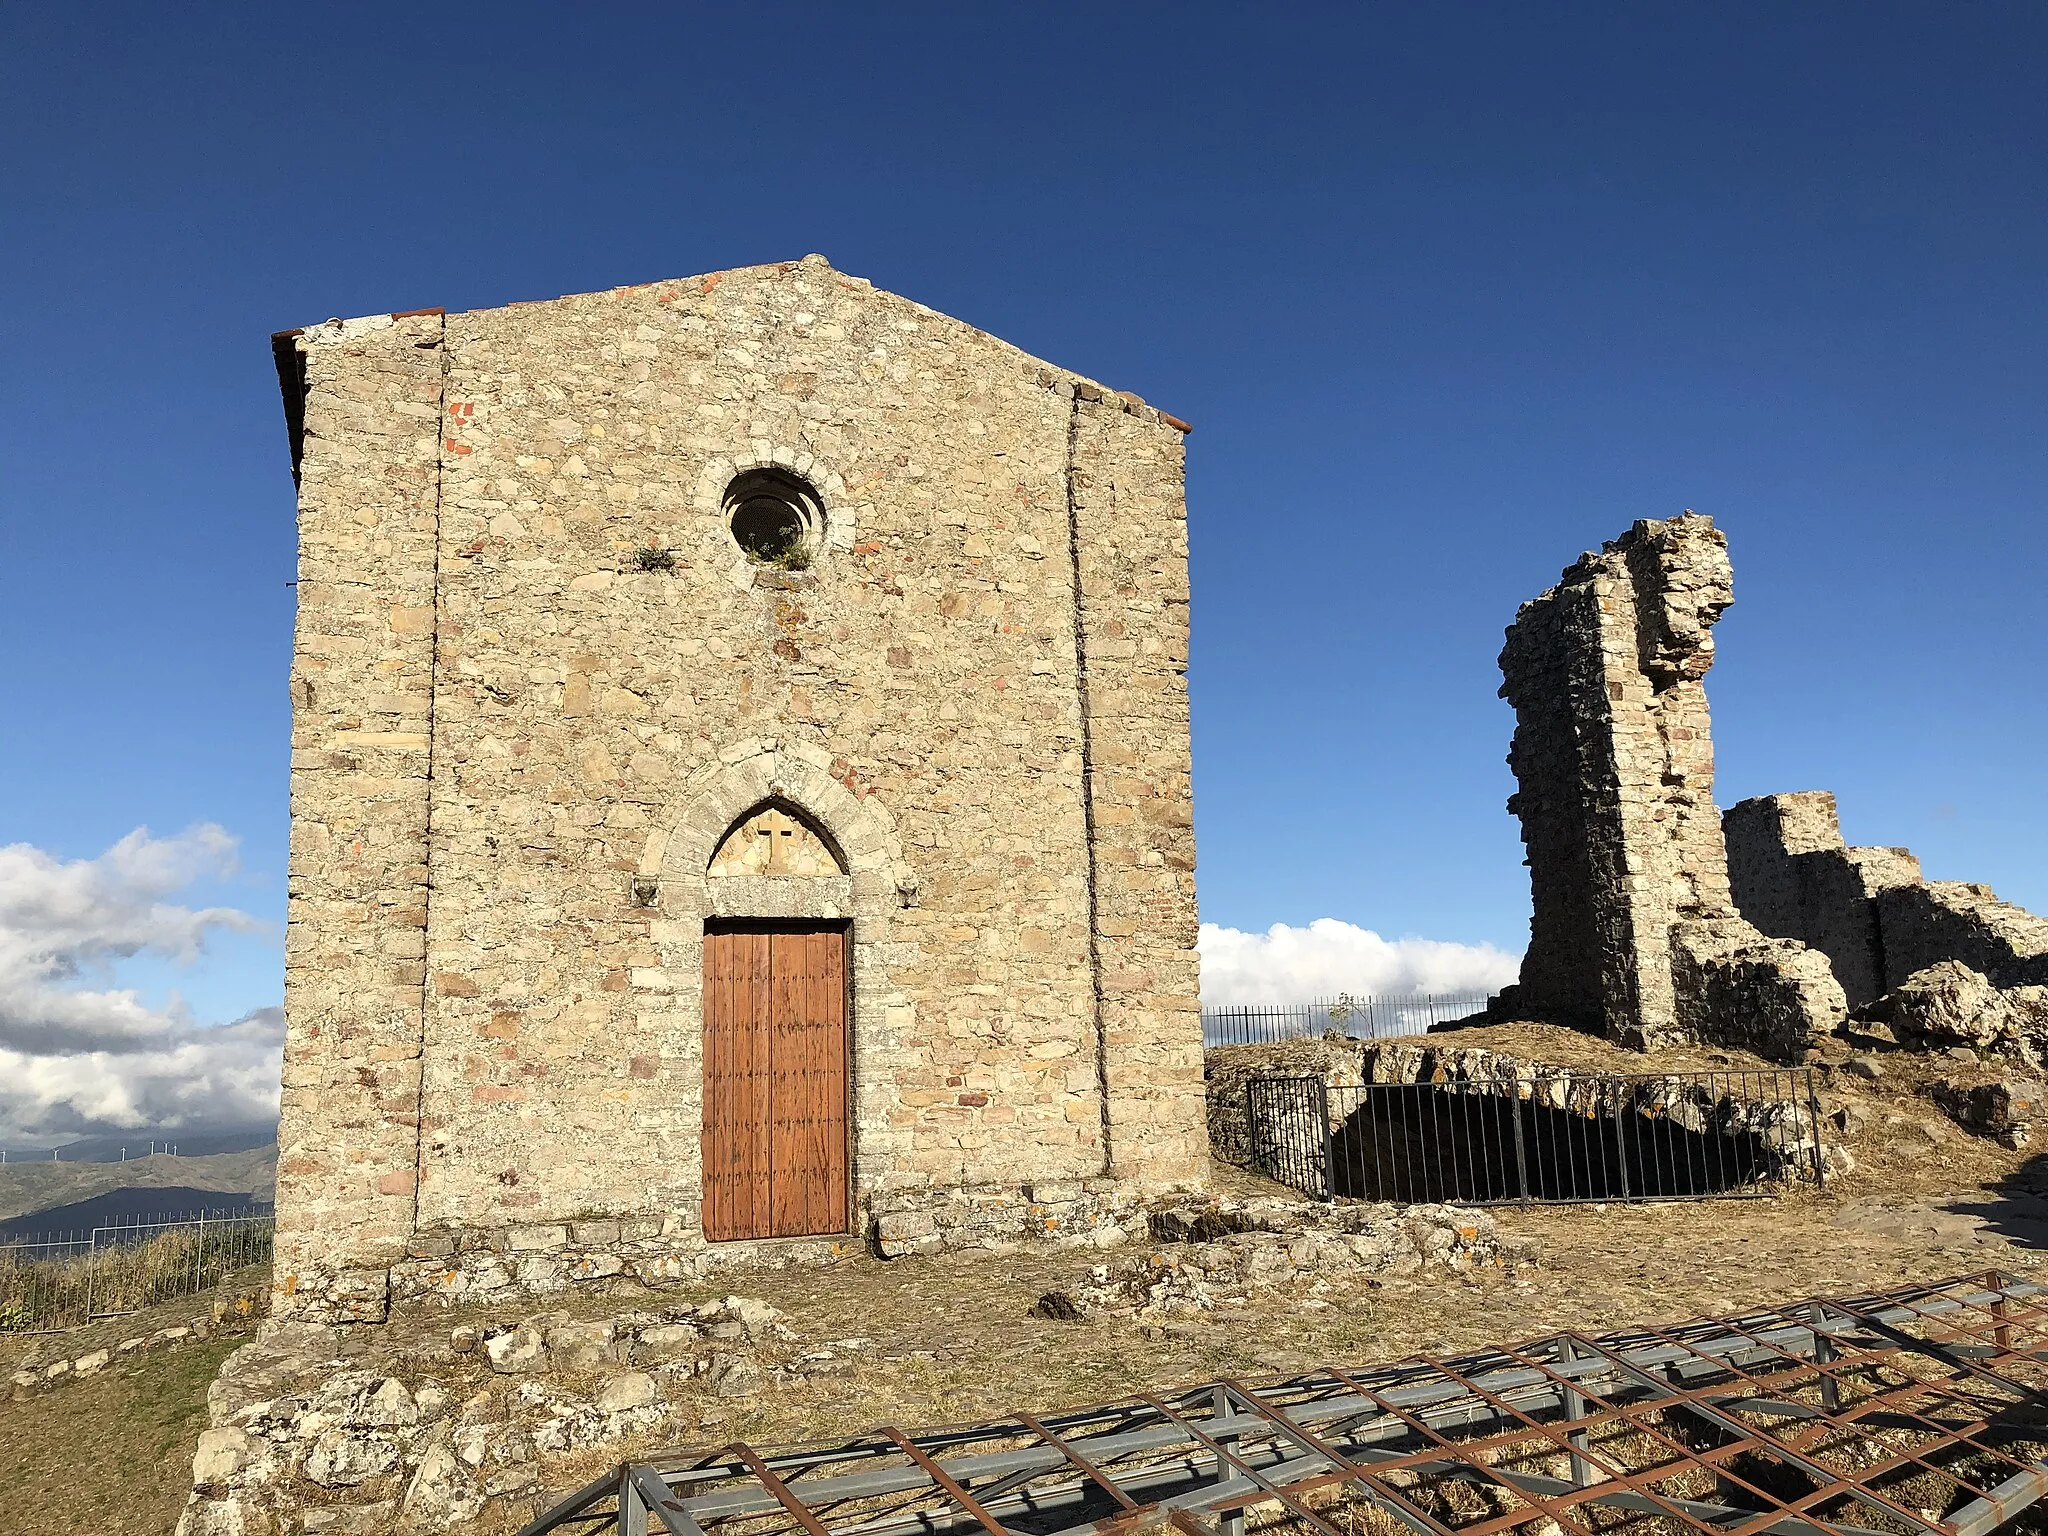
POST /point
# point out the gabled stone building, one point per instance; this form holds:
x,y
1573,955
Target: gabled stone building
x,y
740,789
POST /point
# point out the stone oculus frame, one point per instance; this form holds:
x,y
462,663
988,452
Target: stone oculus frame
x,y
519,739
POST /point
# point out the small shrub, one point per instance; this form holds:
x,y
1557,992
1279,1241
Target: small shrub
x,y
653,557
796,555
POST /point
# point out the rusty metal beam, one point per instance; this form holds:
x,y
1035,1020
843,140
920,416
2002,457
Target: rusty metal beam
x,y
1922,1412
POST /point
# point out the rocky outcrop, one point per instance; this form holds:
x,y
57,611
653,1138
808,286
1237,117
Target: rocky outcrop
x,y
309,1428
1948,1005
2005,1109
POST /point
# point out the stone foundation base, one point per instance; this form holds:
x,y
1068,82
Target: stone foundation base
x,y
1098,1211
475,1264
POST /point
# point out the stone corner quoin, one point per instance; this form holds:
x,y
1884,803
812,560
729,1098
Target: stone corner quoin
x,y
538,683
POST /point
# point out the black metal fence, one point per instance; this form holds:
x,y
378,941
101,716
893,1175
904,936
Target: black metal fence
x,y
58,1281
1360,1018
1551,1138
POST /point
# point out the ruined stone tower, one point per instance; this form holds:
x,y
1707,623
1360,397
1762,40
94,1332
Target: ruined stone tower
x,y
740,788
1633,932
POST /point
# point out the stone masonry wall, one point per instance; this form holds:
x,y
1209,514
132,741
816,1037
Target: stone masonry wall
x,y
1793,877
1868,909
362,686
563,739
1927,922
1129,537
1633,931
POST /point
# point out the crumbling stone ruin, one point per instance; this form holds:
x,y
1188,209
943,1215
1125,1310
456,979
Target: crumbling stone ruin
x,y
1867,909
1657,920
1634,933
740,790
1793,878
1927,965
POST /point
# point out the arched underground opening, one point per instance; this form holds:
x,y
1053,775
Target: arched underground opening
x,y
1552,1140
1420,1143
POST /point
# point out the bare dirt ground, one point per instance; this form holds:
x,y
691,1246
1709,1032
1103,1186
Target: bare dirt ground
x,y
949,1338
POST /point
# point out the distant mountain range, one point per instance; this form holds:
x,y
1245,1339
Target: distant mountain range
x,y
59,1197
131,1145
122,1207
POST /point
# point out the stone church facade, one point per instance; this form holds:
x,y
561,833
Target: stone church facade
x,y
740,789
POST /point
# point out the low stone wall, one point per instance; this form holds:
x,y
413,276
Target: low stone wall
x,y
1682,1098
1101,1212
472,1264
1210,1250
602,1255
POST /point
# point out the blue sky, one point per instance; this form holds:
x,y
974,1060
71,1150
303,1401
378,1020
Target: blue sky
x,y
1449,292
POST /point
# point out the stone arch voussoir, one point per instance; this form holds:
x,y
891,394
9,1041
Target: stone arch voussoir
x,y
861,829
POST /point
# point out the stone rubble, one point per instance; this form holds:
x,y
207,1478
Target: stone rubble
x,y
307,1435
1947,1005
2004,1109
1212,1253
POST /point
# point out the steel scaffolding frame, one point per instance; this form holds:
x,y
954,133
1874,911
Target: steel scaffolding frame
x,y
1918,1412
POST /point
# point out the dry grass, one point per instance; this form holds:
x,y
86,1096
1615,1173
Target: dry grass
x,y
112,1454
69,1292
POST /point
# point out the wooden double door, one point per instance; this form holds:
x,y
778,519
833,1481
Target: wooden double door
x,y
775,1080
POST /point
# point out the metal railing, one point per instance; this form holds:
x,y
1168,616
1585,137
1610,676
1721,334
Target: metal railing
x,y
57,1281
1358,1018
1538,1138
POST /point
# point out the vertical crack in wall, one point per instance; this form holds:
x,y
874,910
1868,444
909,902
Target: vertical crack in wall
x,y
419,1113
1087,775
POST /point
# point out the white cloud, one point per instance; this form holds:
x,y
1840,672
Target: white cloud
x,y
1295,965
76,1058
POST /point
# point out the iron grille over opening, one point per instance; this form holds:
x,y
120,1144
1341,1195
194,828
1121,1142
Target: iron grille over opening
x,y
1537,1138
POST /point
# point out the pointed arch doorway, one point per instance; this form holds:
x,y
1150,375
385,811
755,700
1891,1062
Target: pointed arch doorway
x,y
776,1015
